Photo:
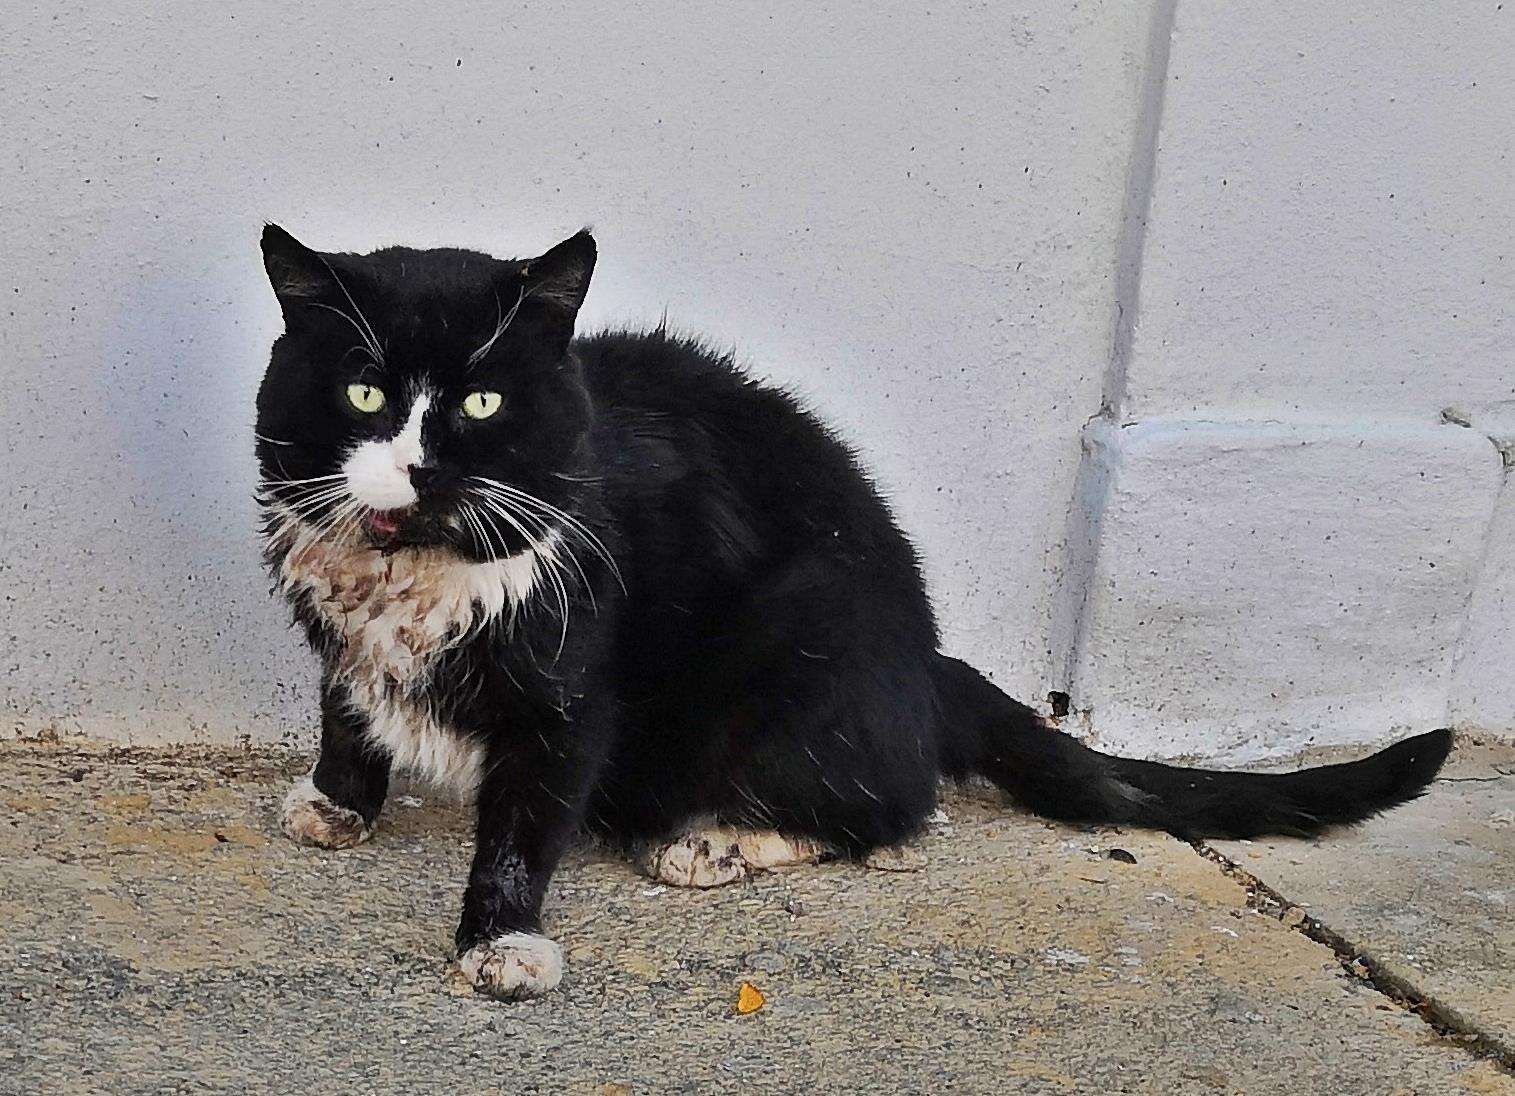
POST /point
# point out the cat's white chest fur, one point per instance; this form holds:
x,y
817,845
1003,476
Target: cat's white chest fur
x,y
394,614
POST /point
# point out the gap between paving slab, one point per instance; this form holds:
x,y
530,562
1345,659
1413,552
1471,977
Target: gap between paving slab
x,y
1416,902
1359,962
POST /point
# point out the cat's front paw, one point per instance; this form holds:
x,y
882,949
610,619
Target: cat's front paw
x,y
310,818
513,966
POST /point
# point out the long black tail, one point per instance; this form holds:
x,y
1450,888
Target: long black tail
x,y
1055,776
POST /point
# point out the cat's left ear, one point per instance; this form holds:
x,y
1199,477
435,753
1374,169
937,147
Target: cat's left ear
x,y
560,278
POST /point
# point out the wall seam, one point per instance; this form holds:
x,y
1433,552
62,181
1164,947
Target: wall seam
x,y
1099,443
1141,174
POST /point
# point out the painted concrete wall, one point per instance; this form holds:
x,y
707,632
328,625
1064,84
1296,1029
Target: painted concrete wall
x,y
1289,532
1483,679
909,214
1145,315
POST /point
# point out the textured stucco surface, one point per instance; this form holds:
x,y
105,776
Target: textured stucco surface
x,y
908,214
1262,586
1332,228
160,936
1327,264
963,233
1483,684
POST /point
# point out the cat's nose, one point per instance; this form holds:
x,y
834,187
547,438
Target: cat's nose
x,y
424,477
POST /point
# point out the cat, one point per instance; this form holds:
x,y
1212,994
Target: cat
x,y
615,583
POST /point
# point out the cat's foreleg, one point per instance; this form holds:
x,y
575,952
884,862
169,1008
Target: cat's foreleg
x,y
531,801
336,805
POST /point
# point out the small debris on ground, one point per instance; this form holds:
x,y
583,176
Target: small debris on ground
x,y
748,999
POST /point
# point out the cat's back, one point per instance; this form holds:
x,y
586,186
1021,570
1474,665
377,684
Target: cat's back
x,y
655,385
690,442
660,371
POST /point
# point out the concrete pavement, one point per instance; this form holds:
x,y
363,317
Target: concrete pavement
x,y
158,935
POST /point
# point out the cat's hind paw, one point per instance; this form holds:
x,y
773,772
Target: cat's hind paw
x,y
719,855
310,818
514,966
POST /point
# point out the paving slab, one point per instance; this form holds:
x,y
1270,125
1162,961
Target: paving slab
x,y
157,935
1426,893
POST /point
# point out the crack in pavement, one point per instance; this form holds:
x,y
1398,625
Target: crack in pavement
x,y
1358,962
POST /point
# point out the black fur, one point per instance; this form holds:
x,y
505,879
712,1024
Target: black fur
x,y
767,654
1054,775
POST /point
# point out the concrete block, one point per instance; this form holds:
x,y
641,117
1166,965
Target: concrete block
x,y
1261,587
1483,683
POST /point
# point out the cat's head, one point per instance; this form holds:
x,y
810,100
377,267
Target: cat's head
x,y
423,398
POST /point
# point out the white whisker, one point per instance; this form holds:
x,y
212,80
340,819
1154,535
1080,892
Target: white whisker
x,y
307,503
552,541
573,524
367,329
556,543
501,323
372,348
295,482
544,555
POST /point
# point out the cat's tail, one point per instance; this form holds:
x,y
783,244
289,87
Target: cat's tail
x,y
1051,774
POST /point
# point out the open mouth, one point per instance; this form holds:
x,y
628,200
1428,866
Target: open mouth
x,y
411,527
384,525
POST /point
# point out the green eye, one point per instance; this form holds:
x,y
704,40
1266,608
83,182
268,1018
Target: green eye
x,y
366,398
480,405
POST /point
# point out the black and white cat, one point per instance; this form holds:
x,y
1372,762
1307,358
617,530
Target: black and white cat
x,y
616,583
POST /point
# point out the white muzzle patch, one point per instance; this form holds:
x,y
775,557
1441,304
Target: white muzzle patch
x,y
378,472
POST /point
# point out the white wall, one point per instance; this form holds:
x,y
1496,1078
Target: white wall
x,y
908,213
1483,679
1271,256
1290,534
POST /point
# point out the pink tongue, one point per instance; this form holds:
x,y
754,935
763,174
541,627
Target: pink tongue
x,y
383,523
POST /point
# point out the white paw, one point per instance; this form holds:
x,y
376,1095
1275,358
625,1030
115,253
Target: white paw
x,y
309,818
718,855
513,966
707,859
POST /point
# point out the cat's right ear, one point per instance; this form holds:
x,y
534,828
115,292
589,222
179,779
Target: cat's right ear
x,y
297,273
